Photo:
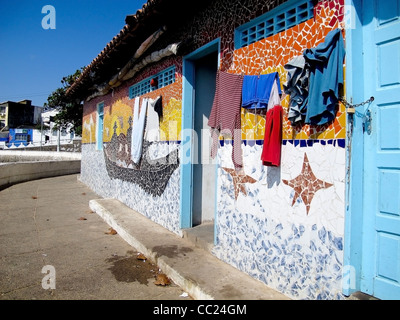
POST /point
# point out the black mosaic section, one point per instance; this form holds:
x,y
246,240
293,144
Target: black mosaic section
x,y
218,20
151,175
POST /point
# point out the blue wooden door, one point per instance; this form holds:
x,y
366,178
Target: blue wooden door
x,y
380,274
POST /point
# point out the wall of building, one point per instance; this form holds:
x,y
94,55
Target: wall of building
x,y
287,229
118,109
286,226
20,113
20,136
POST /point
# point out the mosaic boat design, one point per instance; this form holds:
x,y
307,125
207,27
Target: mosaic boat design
x,y
151,175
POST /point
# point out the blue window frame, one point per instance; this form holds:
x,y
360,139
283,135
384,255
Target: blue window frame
x,y
164,78
277,20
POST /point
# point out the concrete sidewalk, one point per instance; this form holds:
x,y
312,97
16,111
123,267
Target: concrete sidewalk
x,y
48,231
52,222
194,269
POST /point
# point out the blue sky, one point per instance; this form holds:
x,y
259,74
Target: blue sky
x,y
34,60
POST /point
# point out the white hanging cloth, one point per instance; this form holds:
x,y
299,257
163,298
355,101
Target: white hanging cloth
x,y
139,121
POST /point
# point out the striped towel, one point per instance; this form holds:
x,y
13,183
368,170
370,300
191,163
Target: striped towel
x,y
225,114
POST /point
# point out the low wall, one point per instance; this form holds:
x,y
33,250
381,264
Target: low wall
x,y
75,146
21,166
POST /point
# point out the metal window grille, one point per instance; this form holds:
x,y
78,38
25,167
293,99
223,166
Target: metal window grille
x,y
164,78
275,21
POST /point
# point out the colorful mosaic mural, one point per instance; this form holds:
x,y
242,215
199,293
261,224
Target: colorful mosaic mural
x,y
118,107
271,54
263,57
239,181
286,229
283,226
306,184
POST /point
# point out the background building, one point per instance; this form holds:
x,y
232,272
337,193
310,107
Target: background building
x,y
15,114
25,125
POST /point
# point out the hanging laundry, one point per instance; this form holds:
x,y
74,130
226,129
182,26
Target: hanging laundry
x,y
275,96
326,74
271,153
139,120
225,115
297,88
158,107
257,90
156,151
152,131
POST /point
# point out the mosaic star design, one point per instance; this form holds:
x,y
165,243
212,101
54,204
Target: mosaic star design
x,y
239,181
306,185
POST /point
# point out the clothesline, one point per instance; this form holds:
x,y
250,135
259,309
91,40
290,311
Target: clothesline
x,y
234,92
313,83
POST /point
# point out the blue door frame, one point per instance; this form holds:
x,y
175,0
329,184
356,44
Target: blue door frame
x,y
372,224
355,153
100,125
187,137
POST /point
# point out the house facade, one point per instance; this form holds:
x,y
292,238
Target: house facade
x,y
309,224
15,114
17,122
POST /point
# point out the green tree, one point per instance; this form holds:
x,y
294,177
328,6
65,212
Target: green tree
x,y
70,111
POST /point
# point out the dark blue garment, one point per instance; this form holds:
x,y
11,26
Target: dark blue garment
x,y
256,90
326,74
297,87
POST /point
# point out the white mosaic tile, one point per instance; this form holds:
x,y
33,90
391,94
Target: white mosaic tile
x,y
163,209
265,236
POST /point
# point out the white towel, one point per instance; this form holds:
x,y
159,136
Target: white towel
x,y
152,132
139,120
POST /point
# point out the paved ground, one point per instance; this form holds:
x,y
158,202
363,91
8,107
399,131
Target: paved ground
x,y
185,260
47,228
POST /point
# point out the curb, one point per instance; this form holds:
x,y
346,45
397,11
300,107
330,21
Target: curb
x,y
121,226
202,275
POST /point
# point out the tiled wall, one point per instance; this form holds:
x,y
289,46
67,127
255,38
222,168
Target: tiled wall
x,y
163,209
118,107
110,180
271,54
284,226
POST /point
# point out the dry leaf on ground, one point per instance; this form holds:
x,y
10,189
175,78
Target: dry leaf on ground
x,y
141,256
162,280
111,231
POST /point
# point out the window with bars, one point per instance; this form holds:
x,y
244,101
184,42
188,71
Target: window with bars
x,y
163,79
21,137
277,20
